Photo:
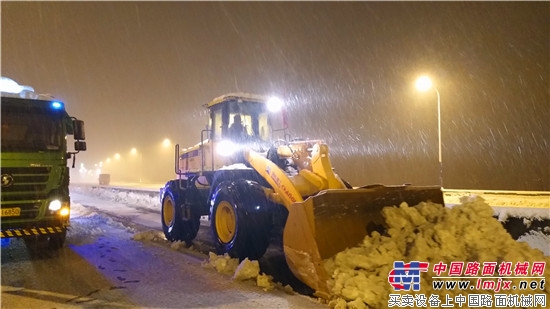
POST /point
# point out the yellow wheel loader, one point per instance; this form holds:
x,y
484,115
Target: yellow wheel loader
x,y
246,174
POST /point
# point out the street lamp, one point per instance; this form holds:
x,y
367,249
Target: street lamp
x,y
424,83
134,151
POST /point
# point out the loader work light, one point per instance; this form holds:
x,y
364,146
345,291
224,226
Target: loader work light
x,y
274,104
226,148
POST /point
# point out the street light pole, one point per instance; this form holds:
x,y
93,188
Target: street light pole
x,y
423,84
439,136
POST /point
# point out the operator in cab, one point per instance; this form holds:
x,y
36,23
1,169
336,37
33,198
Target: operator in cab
x,y
237,131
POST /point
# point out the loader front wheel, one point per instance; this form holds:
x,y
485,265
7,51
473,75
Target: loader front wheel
x,y
241,223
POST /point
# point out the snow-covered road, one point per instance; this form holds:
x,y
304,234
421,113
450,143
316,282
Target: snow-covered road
x,y
116,257
104,266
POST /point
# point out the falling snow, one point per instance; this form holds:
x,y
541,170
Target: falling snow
x,y
345,69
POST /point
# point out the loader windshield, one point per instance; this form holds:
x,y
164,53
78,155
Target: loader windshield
x,y
246,119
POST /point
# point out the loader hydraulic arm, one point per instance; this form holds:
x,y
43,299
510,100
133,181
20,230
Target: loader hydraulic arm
x,y
275,177
321,167
317,175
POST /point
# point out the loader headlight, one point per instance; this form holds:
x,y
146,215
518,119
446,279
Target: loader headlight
x,y
274,104
226,148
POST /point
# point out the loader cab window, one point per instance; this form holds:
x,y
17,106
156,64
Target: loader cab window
x,y
240,126
237,130
216,123
249,118
255,119
264,127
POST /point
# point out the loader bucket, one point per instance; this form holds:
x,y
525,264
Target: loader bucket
x,y
336,219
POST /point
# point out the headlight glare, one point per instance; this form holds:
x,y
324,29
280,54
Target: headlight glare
x,y
55,205
274,104
226,148
64,211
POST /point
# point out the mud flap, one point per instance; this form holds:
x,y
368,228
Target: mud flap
x,y
334,220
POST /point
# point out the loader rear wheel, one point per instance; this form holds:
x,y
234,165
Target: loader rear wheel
x,y
175,225
241,222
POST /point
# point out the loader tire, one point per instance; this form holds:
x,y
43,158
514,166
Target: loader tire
x,y
241,221
175,225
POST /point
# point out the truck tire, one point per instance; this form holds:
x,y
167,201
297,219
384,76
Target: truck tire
x,y
175,226
240,220
39,243
56,241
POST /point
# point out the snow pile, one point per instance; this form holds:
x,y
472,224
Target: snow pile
x,y
538,240
158,236
149,236
245,270
531,205
221,263
426,233
177,245
85,224
77,210
144,199
265,282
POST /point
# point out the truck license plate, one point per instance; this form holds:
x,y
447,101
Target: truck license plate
x,y
11,212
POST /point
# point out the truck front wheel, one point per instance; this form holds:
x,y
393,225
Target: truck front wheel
x,y
56,241
43,242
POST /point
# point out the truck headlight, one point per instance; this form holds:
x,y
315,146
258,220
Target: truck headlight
x,y
55,205
59,207
226,148
64,211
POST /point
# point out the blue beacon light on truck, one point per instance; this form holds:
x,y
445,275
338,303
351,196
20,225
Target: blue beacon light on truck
x,y
56,105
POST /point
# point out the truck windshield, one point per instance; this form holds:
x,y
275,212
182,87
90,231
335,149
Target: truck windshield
x,y
30,130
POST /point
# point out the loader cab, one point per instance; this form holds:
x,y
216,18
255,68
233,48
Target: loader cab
x,y
261,124
253,113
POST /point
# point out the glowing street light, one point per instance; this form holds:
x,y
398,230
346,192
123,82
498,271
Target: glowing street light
x,y
424,83
134,152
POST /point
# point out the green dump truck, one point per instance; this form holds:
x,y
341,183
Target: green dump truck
x,y
35,176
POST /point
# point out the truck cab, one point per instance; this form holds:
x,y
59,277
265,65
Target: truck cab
x,y
35,177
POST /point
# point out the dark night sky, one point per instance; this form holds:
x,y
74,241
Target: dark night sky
x,y
138,72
